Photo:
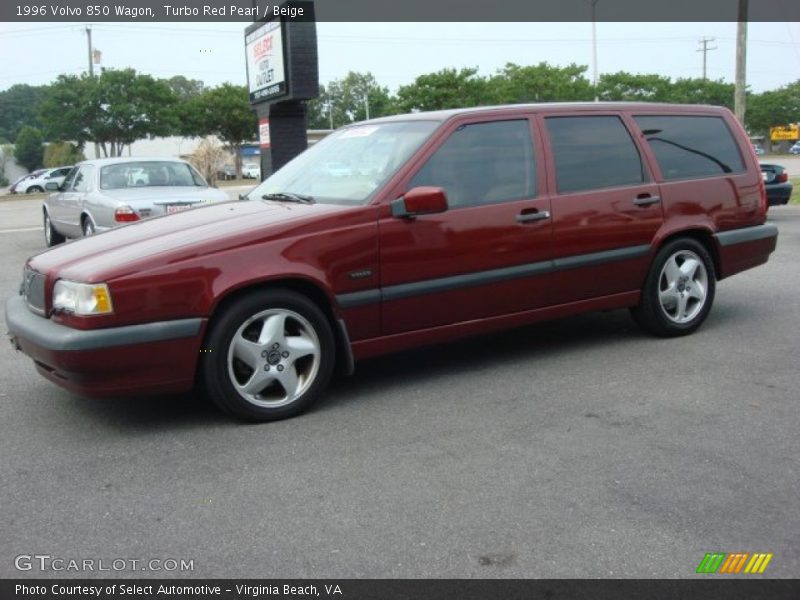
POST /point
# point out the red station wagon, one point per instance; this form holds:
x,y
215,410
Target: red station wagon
x,y
433,226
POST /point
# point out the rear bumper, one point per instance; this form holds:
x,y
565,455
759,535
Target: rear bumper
x,y
779,193
741,249
135,359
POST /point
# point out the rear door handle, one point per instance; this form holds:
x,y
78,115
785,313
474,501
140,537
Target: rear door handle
x,y
539,215
646,200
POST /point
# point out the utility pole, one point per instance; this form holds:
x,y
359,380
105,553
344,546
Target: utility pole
x,y
739,97
705,50
594,48
89,43
91,74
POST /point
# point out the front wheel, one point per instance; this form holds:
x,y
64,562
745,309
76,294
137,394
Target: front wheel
x,y
51,236
679,289
34,189
268,356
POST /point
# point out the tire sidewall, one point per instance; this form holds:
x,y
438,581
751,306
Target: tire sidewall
x,y
650,314
216,377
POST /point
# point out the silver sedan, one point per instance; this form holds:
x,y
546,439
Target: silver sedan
x,y
104,193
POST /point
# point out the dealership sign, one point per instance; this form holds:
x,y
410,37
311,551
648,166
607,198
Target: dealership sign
x,y
266,72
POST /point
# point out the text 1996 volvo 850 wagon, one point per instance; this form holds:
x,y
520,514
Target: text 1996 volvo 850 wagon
x,y
432,226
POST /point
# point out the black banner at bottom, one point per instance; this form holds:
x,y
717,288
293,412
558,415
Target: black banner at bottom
x,y
401,589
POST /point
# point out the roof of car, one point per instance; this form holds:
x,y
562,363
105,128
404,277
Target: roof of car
x,y
129,159
443,115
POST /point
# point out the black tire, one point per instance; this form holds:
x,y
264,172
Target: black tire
x,y
88,227
34,189
51,236
677,295
254,386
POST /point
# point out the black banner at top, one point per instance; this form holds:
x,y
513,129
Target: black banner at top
x,y
643,11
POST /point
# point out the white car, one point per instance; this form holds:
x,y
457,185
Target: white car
x,y
251,171
104,193
795,149
36,184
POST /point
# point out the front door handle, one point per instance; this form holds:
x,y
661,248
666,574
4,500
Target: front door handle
x,y
646,200
536,215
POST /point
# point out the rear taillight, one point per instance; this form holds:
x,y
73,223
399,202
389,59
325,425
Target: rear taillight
x,y
762,190
125,214
782,177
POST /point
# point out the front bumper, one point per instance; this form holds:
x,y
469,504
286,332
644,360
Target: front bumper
x,y
134,359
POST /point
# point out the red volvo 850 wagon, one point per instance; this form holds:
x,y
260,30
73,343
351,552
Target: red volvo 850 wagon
x,y
404,231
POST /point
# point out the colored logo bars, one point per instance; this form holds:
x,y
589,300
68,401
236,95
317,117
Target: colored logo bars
x,y
721,562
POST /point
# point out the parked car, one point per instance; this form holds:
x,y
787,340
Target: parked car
x,y
14,188
251,171
795,148
100,194
759,150
480,219
776,179
38,184
226,173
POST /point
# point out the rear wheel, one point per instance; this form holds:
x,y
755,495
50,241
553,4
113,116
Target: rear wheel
x,y
34,189
88,227
268,356
679,289
51,236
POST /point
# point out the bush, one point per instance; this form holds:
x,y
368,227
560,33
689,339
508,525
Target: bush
x,y
208,159
29,149
58,154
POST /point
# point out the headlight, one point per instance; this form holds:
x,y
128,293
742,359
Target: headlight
x,y
82,298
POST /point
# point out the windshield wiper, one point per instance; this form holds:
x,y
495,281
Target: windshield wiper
x,y
289,197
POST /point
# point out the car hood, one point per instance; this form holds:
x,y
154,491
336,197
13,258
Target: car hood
x,y
170,239
166,194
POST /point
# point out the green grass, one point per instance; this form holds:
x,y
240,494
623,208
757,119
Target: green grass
x,y
795,198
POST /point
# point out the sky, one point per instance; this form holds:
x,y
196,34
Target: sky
x,y
396,53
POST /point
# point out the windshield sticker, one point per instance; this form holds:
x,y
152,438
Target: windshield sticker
x,y
357,132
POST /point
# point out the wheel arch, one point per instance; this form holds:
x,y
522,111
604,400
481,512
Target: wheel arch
x,y
703,236
304,287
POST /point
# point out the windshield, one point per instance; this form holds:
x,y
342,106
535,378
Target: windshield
x,y
349,165
149,173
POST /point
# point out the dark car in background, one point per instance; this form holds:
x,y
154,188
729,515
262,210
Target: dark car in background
x,y
776,180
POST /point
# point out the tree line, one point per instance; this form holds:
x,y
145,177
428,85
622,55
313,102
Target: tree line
x,y
118,107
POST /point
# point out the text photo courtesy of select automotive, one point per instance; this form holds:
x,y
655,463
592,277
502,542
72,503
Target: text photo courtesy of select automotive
x,y
518,321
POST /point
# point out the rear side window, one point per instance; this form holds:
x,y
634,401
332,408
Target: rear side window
x,y
687,147
593,152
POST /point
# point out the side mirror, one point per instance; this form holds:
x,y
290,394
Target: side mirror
x,y
51,186
420,201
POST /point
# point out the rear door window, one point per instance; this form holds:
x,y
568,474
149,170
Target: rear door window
x,y
593,152
686,147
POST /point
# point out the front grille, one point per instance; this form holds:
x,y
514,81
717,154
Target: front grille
x,y
33,290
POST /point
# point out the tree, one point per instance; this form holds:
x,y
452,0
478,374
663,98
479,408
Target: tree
x,y
627,87
29,149
702,91
346,100
539,83
773,108
114,109
18,108
223,111
185,89
57,154
447,88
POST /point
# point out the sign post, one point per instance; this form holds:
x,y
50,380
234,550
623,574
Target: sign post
x,y
282,74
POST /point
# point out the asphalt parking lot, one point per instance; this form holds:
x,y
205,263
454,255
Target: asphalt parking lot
x,y
579,448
